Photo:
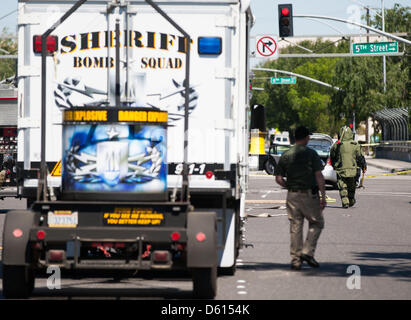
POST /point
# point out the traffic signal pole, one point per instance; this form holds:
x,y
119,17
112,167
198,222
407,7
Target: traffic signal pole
x,y
298,75
386,34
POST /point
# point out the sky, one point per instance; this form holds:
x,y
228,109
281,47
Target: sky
x,y
265,12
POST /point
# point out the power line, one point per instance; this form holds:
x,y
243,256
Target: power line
x,y
1,18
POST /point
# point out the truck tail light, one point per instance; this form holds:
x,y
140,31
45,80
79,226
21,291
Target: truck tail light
x,y
41,235
51,44
200,237
209,174
17,233
175,236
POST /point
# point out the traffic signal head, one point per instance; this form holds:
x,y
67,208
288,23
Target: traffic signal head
x,y
285,20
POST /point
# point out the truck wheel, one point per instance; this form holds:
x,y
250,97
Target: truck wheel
x,y
269,166
18,282
204,282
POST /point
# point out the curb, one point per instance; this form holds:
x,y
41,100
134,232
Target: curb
x,y
389,169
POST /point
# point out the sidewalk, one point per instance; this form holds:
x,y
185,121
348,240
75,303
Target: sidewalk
x,y
388,165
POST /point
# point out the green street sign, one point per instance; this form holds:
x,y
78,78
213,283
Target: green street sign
x,y
284,80
377,47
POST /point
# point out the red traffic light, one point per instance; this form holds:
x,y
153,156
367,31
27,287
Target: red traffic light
x,y
285,20
350,125
285,11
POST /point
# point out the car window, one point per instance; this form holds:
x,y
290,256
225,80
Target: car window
x,y
321,146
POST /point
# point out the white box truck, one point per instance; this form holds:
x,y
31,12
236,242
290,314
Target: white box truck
x,y
125,128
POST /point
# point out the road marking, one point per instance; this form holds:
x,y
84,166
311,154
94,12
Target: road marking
x,y
388,174
241,285
373,193
265,201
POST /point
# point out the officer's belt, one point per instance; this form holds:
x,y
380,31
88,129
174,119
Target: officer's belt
x,y
300,190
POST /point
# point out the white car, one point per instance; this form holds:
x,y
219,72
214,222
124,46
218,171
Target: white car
x,y
322,144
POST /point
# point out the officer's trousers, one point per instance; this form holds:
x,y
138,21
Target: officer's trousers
x,y
300,206
346,186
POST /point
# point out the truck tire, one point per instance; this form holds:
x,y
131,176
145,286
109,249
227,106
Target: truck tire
x,y
18,282
269,166
204,282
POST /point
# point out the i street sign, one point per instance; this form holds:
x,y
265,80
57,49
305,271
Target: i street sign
x,y
377,47
284,80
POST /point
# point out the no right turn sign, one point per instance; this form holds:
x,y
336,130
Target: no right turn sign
x,y
266,47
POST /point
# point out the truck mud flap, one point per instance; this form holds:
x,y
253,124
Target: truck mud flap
x,y
16,236
201,240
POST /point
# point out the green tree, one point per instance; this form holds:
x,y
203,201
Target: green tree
x,y
361,78
305,103
8,46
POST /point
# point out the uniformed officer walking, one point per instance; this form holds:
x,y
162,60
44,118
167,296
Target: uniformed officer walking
x,y
299,170
347,158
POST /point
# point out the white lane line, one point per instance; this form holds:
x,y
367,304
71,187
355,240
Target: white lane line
x,y
241,287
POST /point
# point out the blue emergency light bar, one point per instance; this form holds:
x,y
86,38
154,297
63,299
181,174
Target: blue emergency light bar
x,y
210,45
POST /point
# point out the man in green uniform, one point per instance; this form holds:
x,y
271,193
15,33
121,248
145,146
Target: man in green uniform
x,y
346,158
299,170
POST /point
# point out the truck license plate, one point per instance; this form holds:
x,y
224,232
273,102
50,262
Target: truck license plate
x,y
62,219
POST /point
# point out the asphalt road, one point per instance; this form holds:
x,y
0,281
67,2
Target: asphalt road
x,y
374,236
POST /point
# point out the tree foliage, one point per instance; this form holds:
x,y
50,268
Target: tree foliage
x,y
324,109
305,103
8,46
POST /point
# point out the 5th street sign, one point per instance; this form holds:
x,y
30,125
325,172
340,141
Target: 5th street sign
x,y
284,80
377,47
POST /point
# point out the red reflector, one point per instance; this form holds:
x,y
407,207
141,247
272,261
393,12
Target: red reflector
x,y
161,256
56,255
17,233
285,11
41,235
51,44
209,174
175,236
200,237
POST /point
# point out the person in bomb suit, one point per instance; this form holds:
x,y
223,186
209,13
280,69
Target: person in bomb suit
x,y
347,159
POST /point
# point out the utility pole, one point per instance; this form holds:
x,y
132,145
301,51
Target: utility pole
x,y
367,134
368,23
